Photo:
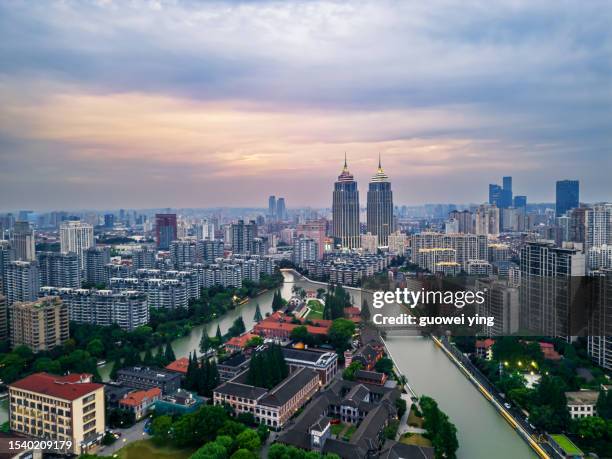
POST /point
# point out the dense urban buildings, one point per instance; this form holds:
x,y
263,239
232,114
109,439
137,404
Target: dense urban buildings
x,y
380,207
345,211
59,269
243,237
22,281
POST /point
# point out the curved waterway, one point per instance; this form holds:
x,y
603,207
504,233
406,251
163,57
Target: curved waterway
x,y
482,432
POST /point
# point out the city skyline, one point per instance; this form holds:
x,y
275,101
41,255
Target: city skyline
x,y
137,107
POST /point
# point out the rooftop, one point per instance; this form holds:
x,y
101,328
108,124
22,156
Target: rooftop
x,y
287,389
69,387
136,398
582,397
179,366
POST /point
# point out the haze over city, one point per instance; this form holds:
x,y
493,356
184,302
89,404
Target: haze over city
x,y
179,104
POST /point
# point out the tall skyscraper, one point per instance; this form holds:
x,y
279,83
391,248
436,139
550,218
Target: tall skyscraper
x,y
109,220
242,237
506,193
495,194
345,210
568,196
487,220
281,210
23,242
76,236
272,207
380,207
165,230
304,249
520,202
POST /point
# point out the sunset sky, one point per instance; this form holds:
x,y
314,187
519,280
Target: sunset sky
x,y
203,104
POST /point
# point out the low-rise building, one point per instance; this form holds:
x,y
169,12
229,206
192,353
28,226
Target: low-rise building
x,y
62,408
179,366
272,407
582,403
232,366
148,378
371,377
325,363
484,348
138,402
239,343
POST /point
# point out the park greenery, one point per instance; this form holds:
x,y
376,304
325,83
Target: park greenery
x,y
280,451
202,375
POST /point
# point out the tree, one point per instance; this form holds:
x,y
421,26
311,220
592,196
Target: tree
x,y
255,341
277,301
211,450
219,335
161,429
384,365
205,343
340,334
365,311
243,454
95,347
267,368
169,354
300,334
604,404
248,439
257,317
349,372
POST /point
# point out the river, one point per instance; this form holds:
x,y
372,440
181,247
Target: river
x,y
482,432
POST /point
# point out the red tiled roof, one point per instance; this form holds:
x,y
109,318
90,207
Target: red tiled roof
x,y
487,343
240,341
180,365
67,387
136,398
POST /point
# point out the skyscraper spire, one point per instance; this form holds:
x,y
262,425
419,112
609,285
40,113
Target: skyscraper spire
x,y
345,163
379,165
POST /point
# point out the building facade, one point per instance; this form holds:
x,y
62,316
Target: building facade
x,y
380,207
40,325
345,211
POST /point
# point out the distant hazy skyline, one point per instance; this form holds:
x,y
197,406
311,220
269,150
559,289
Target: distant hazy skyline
x,y
202,104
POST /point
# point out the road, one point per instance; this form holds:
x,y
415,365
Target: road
x,y
513,415
129,435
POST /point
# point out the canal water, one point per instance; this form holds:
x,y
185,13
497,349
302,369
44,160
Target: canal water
x,y
482,432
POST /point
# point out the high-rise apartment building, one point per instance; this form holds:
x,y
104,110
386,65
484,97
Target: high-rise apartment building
x,y
467,246
550,277
165,230
183,253
6,256
369,242
567,196
599,333
242,237
380,207
59,408
59,269
314,230
143,258
465,220
304,249
4,328
40,325
96,258
128,309
207,251
23,242
22,281
76,236
487,220
345,211
397,243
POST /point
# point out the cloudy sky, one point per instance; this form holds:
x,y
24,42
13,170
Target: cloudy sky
x,y
199,104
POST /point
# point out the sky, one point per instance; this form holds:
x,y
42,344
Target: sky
x,y
174,103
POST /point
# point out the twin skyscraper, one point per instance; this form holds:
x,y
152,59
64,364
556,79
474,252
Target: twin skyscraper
x,y
345,209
